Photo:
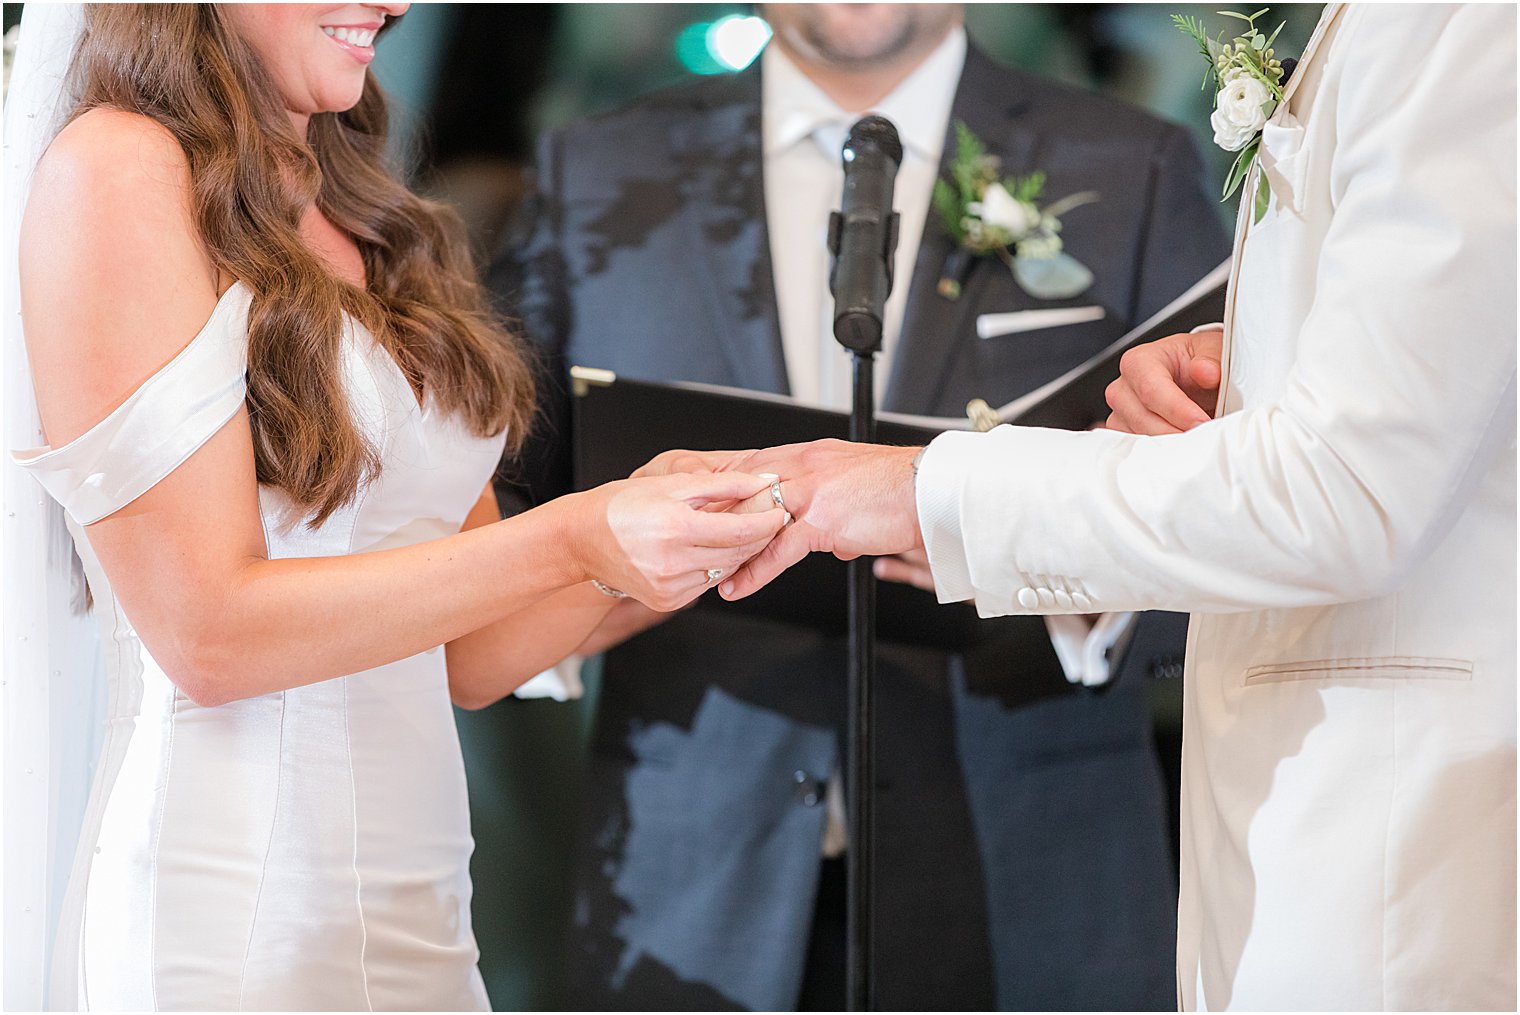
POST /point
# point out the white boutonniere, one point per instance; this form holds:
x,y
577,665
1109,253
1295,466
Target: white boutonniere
x,y
1249,80
990,214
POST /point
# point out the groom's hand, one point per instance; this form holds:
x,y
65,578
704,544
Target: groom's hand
x,y
691,461
845,499
1167,386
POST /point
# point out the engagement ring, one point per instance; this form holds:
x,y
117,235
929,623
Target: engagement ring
x,y
713,574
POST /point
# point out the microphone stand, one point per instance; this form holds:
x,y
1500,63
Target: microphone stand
x,y
860,729
862,337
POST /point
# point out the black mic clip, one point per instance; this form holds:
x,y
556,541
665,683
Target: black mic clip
x,y
889,251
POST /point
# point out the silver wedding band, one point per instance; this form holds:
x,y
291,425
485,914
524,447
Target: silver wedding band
x,y
775,489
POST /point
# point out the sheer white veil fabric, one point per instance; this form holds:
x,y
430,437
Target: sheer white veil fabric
x,y
53,692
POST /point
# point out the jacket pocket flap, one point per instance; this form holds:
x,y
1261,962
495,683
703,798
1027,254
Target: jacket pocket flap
x,y
1375,668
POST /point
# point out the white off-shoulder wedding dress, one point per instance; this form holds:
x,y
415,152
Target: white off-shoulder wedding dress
x,y
307,849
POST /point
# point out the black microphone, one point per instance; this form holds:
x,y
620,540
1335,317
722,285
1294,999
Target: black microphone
x,y
863,234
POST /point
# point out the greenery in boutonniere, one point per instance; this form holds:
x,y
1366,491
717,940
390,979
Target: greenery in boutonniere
x,y
990,214
1248,79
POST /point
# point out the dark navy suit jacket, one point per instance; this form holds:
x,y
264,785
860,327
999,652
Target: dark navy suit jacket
x,y
1023,855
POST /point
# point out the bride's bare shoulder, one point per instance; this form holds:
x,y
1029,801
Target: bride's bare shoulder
x,y
106,148
115,278
113,191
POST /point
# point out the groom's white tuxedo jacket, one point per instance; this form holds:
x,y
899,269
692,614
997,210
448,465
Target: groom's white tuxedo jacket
x,y
1344,533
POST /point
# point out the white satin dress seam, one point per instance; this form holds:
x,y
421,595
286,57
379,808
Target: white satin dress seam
x,y
258,898
353,795
385,442
158,838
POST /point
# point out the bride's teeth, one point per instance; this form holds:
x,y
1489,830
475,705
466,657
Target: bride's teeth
x,y
357,37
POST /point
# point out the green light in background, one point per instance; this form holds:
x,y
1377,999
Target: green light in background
x,y
734,41
724,46
691,50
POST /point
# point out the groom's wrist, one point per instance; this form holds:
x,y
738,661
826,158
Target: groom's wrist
x,y
936,513
908,503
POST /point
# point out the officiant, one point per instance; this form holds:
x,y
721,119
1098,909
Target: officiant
x,y
1023,855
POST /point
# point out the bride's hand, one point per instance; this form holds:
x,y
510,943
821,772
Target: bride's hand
x,y
650,537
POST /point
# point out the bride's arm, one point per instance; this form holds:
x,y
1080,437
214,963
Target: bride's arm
x,y
489,664
114,281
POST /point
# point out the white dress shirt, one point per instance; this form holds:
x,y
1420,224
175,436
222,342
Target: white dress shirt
x,y
804,131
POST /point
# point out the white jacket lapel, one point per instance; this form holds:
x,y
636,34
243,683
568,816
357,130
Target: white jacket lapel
x,y
1248,188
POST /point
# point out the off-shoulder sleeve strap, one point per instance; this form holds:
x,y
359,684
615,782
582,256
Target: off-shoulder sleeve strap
x,y
160,424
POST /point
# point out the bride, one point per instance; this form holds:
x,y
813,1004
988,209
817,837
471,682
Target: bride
x,y
273,401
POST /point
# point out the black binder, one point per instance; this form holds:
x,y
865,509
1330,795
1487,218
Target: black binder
x,y
621,423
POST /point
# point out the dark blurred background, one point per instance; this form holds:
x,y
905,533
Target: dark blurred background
x,y
473,85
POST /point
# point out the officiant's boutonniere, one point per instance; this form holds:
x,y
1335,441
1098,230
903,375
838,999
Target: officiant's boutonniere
x,y
990,214
1248,79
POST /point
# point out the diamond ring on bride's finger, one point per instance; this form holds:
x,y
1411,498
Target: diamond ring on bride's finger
x,y
713,574
608,590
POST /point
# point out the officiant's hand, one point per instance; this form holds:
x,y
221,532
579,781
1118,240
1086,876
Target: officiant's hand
x,y
911,568
1167,386
847,499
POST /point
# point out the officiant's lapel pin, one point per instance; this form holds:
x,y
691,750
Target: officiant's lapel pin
x,y
980,415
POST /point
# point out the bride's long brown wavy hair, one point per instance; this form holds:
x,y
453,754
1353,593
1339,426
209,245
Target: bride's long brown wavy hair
x,y
252,180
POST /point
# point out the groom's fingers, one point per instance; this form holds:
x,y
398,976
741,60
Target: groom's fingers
x,y
762,501
699,488
1148,397
681,461
1131,415
785,550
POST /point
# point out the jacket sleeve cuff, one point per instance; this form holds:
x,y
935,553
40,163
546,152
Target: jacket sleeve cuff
x,y
938,493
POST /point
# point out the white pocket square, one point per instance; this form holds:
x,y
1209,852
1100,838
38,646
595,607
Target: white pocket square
x,y
995,325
